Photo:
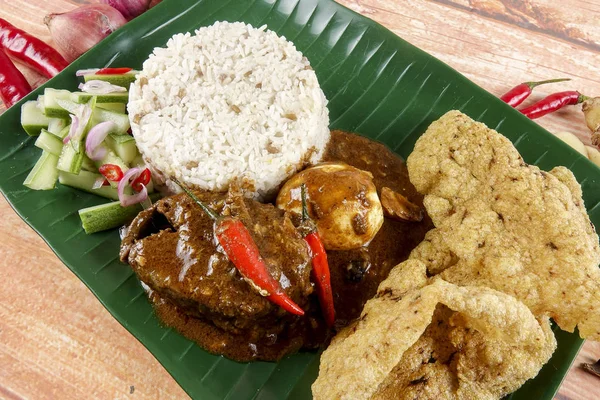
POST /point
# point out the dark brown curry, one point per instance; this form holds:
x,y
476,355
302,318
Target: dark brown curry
x,y
195,289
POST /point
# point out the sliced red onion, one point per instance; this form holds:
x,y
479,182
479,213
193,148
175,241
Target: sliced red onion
x,y
126,199
79,122
100,87
83,72
147,202
95,137
99,182
72,129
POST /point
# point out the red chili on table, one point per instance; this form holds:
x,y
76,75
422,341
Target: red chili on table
x,y
519,93
320,271
552,103
240,248
112,172
113,71
13,85
143,179
30,50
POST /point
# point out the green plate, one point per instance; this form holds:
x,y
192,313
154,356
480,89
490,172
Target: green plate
x,y
377,85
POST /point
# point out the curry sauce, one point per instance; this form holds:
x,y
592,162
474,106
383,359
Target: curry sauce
x,y
219,310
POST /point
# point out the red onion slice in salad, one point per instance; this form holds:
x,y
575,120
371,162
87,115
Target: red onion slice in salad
x,y
99,182
72,129
126,199
83,115
100,87
95,137
90,71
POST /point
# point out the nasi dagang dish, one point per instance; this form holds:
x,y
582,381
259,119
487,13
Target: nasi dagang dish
x,y
257,232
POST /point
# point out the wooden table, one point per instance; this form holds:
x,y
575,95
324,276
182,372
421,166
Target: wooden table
x,y
58,342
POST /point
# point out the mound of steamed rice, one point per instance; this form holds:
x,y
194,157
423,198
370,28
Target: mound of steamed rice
x,y
231,102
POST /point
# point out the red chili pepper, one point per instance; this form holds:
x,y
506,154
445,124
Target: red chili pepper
x,y
112,172
142,179
240,248
30,50
13,85
552,103
519,93
320,271
113,71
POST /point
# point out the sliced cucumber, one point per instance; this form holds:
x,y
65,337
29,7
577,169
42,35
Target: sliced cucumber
x,y
51,107
56,125
68,105
33,119
121,120
88,164
138,162
120,108
118,97
85,181
44,173
71,157
124,146
108,216
123,80
64,132
49,142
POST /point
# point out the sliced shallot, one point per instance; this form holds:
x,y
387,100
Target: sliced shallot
x,y
95,137
72,129
82,116
90,71
126,199
100,87
99,182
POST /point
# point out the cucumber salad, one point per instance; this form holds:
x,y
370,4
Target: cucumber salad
x,y
86,144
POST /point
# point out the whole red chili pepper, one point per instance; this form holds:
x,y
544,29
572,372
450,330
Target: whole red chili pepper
x,y
552,103
240,248
143,179
519,93
30,50
13,85
320,271
113,71
112,172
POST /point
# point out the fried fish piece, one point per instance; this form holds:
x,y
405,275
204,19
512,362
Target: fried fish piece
x,y
358,362
506,225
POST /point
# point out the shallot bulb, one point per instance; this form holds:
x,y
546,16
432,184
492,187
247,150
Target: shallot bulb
x,y
129,8
76,31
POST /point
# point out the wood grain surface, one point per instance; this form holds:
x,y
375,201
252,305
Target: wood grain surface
x,y
56,339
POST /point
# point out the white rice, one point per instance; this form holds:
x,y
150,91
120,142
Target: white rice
x,y
230,102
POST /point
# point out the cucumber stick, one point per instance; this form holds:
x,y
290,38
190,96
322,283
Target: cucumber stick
x,y
118,97
120,108
108,216
49,142
44,173
50,100
120,120
124,146
88,164
64,132
71,157
123,80
33,119
56,125
84,181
